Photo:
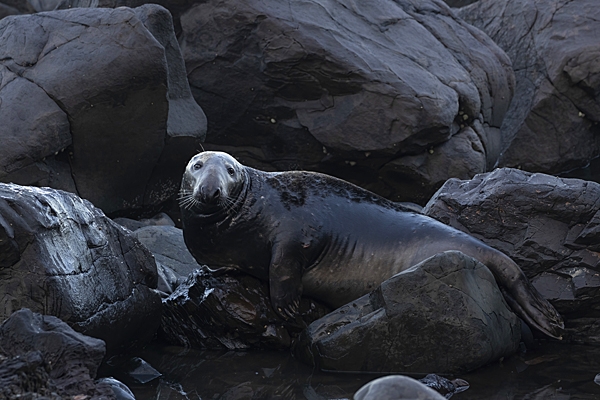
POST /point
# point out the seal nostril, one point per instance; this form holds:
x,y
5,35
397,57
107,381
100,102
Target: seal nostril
x,y
216,194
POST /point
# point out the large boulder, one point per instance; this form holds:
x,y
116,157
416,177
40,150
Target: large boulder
x,y
61,256
40,355
96,102
394,95
549,226
552,123
448,304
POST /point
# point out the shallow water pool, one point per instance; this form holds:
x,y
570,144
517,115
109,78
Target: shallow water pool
x,y
553,371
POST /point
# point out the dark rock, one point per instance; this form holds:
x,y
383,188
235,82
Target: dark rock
x,y
19,5
109,114
168,247
174,261
229,312
459,3
449,304
350,89
134,368
24,374
61,256
6,10
552,123
186,118
547,225
396,387
43,355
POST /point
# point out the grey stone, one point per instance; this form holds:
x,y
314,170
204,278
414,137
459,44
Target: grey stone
x,y
552,123
349,89
170,252
54,359
64,257
547,225
113,118
448,304
6,10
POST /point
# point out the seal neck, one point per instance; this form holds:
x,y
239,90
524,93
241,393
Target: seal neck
x,y
222,214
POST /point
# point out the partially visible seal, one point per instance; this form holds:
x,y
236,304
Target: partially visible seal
x,y
313,234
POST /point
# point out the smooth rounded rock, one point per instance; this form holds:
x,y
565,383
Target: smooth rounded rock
x,y
396,387
448,304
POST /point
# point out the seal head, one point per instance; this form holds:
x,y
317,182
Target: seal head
x,y
212,183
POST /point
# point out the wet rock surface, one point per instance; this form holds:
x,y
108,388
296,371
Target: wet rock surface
x,y
229,312
109,111
449,304
552,124
40,355
61,256
382,94
547,225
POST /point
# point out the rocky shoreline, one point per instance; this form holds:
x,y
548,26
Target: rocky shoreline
x,y
469,112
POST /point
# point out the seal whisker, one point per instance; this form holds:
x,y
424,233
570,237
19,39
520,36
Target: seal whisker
x,y
228,204
187,200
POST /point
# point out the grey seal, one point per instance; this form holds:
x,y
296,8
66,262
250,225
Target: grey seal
x,y
307,233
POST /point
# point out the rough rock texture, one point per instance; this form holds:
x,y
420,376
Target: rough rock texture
x,y
448,304
61,256
396,387
229,312
552,124
41,355
549,226
96,102
383,93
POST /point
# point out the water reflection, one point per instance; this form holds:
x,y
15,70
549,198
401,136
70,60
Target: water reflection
x,y
554,371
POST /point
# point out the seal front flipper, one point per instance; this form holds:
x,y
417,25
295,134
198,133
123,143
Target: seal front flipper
x,y
285,281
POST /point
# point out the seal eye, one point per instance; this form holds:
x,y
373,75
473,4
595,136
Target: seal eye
x,y
230,170
197,166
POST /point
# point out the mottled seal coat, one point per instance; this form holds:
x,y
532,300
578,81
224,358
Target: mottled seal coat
x,y
313,234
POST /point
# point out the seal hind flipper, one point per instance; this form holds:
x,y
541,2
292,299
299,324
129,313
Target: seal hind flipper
x,y
522,296
535,310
